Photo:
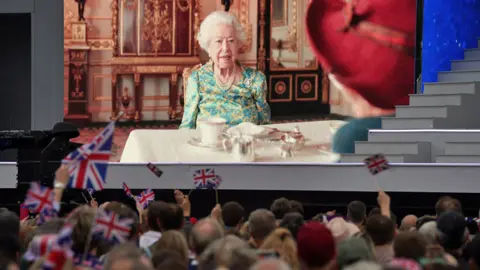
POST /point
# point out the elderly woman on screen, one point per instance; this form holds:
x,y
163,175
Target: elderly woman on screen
x,y
223,87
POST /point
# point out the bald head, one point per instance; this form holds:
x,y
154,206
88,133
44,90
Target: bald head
x,y
408,223
270,264
203,233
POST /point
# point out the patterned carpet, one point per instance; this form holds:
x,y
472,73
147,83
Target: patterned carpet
x,y
123,130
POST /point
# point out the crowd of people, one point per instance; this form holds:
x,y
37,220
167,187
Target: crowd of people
x,y
165,236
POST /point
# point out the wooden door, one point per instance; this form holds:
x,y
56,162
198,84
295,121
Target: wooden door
x,y
296,84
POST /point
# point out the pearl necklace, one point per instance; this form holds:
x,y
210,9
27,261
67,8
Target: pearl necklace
x,y
230,81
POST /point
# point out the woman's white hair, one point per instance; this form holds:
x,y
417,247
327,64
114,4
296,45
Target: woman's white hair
x,y
215,18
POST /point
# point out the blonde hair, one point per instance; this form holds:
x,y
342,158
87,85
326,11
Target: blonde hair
x,y
216,18
175,241
282,241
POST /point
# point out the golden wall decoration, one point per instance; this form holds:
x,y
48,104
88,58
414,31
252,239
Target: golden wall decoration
x,y
114,7
157,26
242,11
100,44
292,29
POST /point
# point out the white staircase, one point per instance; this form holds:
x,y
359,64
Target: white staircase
x,y
441,125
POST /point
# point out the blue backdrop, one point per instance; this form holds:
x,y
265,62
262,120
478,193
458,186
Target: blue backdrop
x,y
449,27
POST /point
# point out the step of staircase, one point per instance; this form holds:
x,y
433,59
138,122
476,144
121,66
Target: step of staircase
x,y
438,99
412,123
462,148
437,137
421,149
458,159
451,88
357,158
458,65
421,111
459,76
471,54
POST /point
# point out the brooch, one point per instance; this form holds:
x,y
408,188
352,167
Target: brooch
x,y
247,82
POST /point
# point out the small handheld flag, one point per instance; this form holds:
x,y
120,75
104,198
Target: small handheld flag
x,y
376,164
206,179
39,198
155,170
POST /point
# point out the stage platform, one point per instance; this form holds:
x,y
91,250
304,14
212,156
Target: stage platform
x,y
430,178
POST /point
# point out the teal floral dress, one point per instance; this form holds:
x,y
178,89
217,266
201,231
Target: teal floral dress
x,y
243,102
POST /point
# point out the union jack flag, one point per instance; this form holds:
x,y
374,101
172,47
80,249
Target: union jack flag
x,y
39,246
127,190
145,198
39,197
46,215
111,227
61,249
90,262
88,164
376,164
206,179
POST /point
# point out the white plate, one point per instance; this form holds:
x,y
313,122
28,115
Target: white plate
x,y
198,143
249,129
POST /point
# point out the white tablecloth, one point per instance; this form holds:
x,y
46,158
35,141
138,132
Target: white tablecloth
x,y
170,146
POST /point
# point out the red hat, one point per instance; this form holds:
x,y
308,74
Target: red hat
x,y
367,44
315,244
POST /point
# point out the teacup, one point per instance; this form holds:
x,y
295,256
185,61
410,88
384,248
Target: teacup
x,y
211,129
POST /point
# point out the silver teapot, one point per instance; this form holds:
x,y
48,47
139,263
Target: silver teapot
x,y
241,147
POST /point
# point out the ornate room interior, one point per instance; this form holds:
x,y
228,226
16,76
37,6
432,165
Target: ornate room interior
x,y
129,56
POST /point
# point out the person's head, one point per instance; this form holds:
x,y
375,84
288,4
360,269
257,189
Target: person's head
x,y
229,252
381,229
261,223
232,214
292,221
452,233
410,245
341,229
123,211
168,260
316,245
7,264
408,223
282,241
9,222
447,203
353,250
221,35
424,219
378,211
429,232
175,241
280,207
297,207
364,265
270,264
474,251
357,212
203,233
82,217
127,256
164,216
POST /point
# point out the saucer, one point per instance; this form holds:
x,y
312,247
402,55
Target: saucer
x,y
197,142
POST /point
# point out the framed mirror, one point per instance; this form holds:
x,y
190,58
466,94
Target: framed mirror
x,y
289,49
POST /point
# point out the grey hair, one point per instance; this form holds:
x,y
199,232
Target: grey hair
x,y
261,223
364,265
271,264
215,18
203,233
429,231
226,251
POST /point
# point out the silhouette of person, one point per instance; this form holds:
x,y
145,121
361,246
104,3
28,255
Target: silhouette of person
x,y
81,9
